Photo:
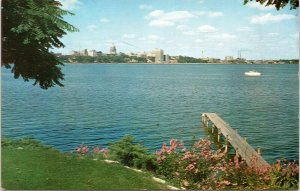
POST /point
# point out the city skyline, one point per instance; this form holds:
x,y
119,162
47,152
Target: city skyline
x,y
197,28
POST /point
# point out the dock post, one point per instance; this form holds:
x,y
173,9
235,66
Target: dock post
x,y
212,128
237,152
226,143
219,134
245,139
226,148
258,151
236,131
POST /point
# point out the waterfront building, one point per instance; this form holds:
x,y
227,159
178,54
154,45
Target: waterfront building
x,y
228,58
92,53
113,50
83,52
166,59
159,55
142,54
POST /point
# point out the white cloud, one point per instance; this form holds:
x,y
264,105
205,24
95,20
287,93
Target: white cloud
x,y
215,14
159,18
269,18
199,41
257,5
208,13
92,28
151,38
189,33
144,6
244,29
207,29
182,27
70,4
154,37
161,23
224,36
156,13
104,20
129,36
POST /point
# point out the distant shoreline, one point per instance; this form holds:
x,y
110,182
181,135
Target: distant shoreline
x,y
186,63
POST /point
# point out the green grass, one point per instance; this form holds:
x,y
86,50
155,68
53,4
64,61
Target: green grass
x,y
44,168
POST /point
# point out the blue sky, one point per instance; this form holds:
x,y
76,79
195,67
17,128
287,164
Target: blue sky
x,y
198,28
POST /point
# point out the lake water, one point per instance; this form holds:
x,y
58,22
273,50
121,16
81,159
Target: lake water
x,y
102,103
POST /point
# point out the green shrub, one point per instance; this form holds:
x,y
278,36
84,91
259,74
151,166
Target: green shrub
x,y
285,175
127,152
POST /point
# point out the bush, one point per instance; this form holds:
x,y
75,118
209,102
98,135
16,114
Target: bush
x,y
285,175
201,167
128,153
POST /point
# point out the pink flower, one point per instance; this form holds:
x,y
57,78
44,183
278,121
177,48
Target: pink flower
x,y
96,150
181,146
296,169
190,167
213,177
104,152
158,153
84,150
177,173
173,144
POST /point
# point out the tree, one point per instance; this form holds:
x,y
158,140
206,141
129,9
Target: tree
x,y
30,29
278,3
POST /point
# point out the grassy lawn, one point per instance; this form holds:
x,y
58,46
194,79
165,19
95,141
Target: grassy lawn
x,y
35,166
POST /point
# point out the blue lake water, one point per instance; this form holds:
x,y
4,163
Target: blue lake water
x,y
102,103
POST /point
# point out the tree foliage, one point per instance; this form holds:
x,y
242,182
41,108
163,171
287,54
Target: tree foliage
x,y
278,3
29,29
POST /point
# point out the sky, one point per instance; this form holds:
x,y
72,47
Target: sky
x,y
196,28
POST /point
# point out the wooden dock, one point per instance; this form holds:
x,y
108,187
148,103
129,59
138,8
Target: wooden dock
x,y
240,145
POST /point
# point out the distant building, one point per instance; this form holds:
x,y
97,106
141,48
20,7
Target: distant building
x,y
142,54
83,52
166,59
228,58
74,53
174,60
159,56
113,50
92,53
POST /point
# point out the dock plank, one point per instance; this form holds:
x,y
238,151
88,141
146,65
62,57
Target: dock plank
x,y
243,148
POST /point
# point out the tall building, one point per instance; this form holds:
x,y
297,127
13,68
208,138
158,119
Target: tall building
x,y
92,53
113,50
159,55
83,52
166,59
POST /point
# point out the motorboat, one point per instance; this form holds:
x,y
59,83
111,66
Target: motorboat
x,y
252,73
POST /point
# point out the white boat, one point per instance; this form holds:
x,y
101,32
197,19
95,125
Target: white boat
x,y
252,73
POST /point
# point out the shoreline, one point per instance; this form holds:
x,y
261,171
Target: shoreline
x,y
184,63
